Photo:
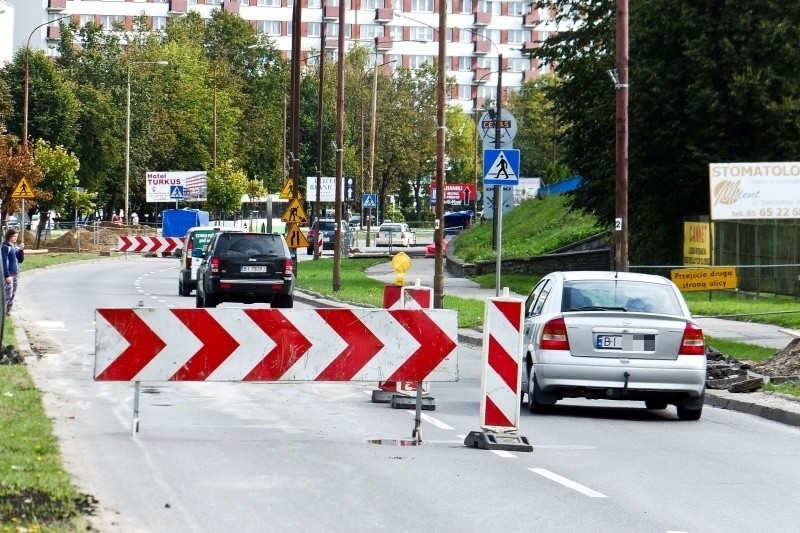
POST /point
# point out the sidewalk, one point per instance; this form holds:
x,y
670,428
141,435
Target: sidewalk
x,y
780,408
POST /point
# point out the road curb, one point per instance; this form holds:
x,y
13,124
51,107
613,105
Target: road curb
x,y
756,403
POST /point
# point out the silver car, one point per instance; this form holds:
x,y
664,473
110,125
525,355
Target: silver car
x,y
613,336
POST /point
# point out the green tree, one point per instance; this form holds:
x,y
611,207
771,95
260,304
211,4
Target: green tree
x,y
59,180
15,164
226,185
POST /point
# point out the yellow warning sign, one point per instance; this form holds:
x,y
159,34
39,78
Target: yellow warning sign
x,y
704,279
295,214
23,190
294,237
286,192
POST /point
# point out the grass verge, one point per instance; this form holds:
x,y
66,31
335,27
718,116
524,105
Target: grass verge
x,y
790,387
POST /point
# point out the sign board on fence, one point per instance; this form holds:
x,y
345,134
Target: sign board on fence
x,y
164,186
743,191
704,279
696,243
455,194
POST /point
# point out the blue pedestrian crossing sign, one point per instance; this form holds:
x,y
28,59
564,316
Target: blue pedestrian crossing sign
x,y
501,167
369,201
176,192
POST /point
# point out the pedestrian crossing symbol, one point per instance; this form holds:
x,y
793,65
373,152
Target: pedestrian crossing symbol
x,y
501,167
23,190
176,192
369,201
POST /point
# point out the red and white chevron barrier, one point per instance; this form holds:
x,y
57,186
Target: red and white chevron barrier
x,y
149,244
259,344
500,384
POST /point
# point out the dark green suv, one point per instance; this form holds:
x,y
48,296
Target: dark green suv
x,y
246,268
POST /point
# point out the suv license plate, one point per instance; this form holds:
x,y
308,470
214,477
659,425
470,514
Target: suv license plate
x,y
609,342
254,269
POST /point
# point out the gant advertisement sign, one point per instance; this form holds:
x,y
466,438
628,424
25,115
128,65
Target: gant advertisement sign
x,y
741,191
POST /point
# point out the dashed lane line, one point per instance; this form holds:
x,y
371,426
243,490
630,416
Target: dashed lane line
x,y
567,483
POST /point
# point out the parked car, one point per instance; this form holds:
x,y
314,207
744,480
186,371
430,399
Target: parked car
x,y
246,268
612,336
395,234
328,228
196,238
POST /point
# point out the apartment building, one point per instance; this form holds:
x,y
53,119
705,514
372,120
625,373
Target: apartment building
x,y
403,32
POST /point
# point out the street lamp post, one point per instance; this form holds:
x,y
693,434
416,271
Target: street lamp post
x,y
27,77
128,135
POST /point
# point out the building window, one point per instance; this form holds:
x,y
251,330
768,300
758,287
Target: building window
x,y
244,2
488,62
465,36
395,59
370,31
418,61
489,35
213,2
466,6
421,33
347,5
109,21
465,63
159,23
314,29
371,4
333,30
486,92
86,19
519,64
516,8
465,92
315,4
397,5
518,36
448,35
269,27
485,6
269,3
396,33
422,6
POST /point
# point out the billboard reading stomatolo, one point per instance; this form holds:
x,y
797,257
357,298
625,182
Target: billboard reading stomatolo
x,y
741,191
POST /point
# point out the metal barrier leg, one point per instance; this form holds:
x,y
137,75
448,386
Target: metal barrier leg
x,y
417,433
135,421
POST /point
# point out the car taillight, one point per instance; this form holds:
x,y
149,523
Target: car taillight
x,y
214,264
554,335
288,267
189,247
692,342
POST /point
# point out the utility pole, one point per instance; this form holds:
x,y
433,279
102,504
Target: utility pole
x,y
320,129
621,189
498,190
438,236
337,245
295,85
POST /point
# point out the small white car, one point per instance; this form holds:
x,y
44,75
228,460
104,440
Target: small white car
x,y
395,234
612,336
194,241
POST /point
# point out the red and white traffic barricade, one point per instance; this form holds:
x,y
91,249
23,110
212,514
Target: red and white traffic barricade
x,y
500,383
399,394
156,245
270,345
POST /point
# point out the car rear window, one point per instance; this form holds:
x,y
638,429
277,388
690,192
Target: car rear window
x,y
629,295
393,228
327,226
249,244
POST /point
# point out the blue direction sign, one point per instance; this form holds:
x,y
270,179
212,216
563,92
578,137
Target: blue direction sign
x,y
369,201
176,192
501,167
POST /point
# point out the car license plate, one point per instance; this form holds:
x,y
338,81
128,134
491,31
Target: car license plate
x,y
609,342
250,269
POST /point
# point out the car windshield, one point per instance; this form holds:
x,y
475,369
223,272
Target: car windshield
x,y
391,228
633,296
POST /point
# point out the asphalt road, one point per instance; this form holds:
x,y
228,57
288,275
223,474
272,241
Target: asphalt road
x,y
301,457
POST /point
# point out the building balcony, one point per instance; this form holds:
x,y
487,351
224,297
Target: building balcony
x,y
384,43
231,6
53,33
530,20
384,15
177,6
483,47
57,5
528,47
481,75
331,43
483,19
528,75
331,13
479,102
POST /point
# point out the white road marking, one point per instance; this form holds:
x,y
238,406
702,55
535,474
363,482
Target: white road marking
x,y
50,324
504,453
564,447
567,483
429,419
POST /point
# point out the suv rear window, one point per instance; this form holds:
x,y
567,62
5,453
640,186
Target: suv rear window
x,y
327,226
249,244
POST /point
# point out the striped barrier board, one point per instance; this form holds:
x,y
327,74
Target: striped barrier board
x,y
500,383
149,244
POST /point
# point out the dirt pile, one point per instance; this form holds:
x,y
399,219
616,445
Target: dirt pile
x,y
785,363
92,239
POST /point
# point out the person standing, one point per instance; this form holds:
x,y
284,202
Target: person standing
x,y
12,255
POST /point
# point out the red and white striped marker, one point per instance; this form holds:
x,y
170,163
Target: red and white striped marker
x,y
149,244
259,344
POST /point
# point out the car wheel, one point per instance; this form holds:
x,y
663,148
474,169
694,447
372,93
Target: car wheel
x,y
182,289
535,397
655,404
198,300
209,300
685,413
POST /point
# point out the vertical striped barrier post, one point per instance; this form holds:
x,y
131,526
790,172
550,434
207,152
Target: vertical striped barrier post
x,y
500,382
